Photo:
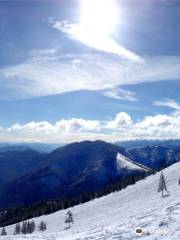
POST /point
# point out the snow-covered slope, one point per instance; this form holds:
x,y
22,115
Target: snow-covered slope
x,y
124,162
117,215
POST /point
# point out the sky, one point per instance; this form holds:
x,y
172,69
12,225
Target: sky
x,y
74,70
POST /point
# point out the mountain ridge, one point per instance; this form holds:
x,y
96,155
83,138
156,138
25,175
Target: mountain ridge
x,y
68,171
155,157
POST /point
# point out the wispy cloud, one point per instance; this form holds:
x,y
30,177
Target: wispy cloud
x,y
96,22
49,72
120,94
168,103
92,39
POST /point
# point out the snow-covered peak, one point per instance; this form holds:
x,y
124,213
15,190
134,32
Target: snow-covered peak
x,y
124,162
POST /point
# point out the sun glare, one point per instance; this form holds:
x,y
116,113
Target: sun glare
x,y
98,20
99,16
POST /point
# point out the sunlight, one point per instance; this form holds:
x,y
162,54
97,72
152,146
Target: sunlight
x,y
99,16
96,25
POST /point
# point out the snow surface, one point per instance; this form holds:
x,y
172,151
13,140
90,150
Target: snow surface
x,y
117,215
124,162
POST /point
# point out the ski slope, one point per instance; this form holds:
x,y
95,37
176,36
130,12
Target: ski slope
x,y
117,215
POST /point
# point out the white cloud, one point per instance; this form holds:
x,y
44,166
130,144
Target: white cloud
x,y
33,127
122,127
47,54
120,94
76,125
168,103
96,23
51,73
158,127
92,39
122,120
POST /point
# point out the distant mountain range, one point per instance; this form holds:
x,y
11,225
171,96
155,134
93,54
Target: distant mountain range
x,y
39,147
155,157
69,171
31,176
170,144
49,147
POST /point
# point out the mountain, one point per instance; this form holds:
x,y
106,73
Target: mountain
x,y
16,163
39,147
155,157
119,214
9,148
71,170
171,144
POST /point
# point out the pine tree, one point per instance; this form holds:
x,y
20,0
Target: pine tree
x,y
28,227
162,184
42,226
24,228
69,218
32,227
3,232
17,229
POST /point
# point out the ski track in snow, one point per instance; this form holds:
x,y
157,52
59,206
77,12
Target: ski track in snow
x,y
116,216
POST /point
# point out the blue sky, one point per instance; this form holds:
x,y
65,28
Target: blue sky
x,y
86,69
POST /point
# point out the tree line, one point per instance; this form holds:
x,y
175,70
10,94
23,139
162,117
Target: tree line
x,y
27,227
19,214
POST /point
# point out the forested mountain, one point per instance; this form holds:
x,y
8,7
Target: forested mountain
x,y
15,163
74,169
155,157
71,170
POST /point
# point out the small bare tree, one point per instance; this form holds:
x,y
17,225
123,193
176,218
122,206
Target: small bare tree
x,y
69,218
162,184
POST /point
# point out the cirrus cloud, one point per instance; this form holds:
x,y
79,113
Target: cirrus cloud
x,y
49,72
94,40
168,103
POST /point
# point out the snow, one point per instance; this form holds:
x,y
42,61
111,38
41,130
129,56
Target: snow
x,y
124,162
117,215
